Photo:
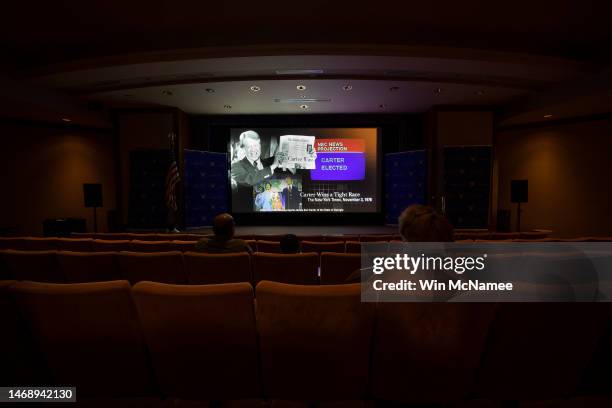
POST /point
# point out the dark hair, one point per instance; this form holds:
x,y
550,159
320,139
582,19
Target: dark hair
x,y
421,223
289,244
223,226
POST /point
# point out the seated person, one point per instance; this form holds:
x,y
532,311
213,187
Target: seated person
x,y
418,223
222,242
289,244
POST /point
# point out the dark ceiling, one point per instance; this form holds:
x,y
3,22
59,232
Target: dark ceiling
x,y
33,36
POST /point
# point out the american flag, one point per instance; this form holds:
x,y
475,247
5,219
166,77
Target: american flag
x,y
172,179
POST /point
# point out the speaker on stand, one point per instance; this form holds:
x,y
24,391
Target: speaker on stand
x,y
519,193
92,196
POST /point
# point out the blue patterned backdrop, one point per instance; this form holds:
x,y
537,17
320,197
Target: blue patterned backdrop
x,y
206,187
467,185
406,181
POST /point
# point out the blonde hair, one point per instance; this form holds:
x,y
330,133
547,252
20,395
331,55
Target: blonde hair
x,y
421,223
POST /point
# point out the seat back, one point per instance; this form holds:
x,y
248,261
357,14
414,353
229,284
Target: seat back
x,y
353,247
313,238
202,269
376,238
150,246
434,347
183,246
165,267
272,247
80,267
90,336
318,247
300,269
104,245
37,266
269,237
42,244
335,268
202,339
18,243
76,244
314,333
549,344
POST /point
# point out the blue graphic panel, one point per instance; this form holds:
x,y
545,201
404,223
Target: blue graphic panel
x,y
206,187
406,182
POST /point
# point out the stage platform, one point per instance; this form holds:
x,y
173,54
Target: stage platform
x,y
308,230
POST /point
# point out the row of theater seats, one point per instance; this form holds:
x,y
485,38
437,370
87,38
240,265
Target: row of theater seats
x,y
313,345
248,237
176,267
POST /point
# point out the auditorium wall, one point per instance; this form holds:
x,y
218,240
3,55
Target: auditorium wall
x,y
43,170
568,167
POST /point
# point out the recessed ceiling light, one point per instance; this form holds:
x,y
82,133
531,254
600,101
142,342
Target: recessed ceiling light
x,y
66,120
394,88
304,106
347,87
210,90
548,116
480,92
301,87
167,92
227,106
438,90
255,88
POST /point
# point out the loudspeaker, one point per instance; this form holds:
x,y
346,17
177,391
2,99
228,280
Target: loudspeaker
x,y
519,191
503,220
92,195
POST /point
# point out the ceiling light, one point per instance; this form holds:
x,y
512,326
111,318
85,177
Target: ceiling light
x,y
480,92
210,90
301,100
438,91
347,87
227,106
394,88
304,106
255,88
167,92
301,87
66,120
548,116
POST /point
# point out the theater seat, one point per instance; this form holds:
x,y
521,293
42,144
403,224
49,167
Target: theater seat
x,y
183,246
166,267
19,363
318,247
76,244
299,269
313,238
556,344
202,269
18,243
376,238
139,236
335,268
80,267
353,247
269,237
38,266
202,339
314,341
42,244
103,245
435,348
90,336
150,246
269,246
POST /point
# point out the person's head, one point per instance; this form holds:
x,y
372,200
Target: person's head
x,y
289,181
268,186
223,226
289,244
421,223
251,143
